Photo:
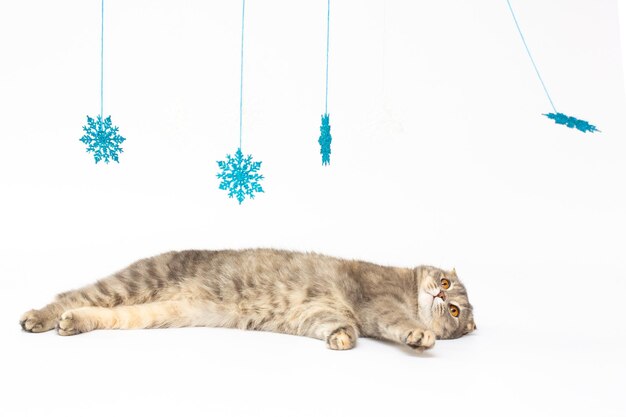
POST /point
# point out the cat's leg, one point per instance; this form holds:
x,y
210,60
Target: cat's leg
x,y
160,314
142,282
390,320
336,326
343,338
106,293
102,293
46,318
38,321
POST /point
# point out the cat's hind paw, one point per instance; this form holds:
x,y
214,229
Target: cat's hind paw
x,y
69,325
36,321
341,339
420,339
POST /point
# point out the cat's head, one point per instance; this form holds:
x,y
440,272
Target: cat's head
x,y
443,304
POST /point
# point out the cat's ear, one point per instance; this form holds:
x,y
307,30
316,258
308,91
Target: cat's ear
x,y
429,272
454,272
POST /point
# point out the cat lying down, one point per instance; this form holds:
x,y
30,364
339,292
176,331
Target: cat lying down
x,y
304,294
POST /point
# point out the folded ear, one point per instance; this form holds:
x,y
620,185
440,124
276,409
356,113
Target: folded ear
x,y
454,272
429,272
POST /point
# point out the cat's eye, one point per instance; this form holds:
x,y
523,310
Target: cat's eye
x,y
454,311
445,284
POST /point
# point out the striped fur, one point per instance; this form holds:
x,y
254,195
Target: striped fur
x,y
304,294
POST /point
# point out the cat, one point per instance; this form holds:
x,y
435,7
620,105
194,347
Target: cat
x,y
306,294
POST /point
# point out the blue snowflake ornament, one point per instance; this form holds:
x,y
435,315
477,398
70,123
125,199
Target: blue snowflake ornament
x,y
572,122
240,176
325,139
102,139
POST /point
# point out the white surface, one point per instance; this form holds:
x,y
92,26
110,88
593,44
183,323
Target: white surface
x,y
440,156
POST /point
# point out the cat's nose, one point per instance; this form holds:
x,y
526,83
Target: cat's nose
x,y
442,295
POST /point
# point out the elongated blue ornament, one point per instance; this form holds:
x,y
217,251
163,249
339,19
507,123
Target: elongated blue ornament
x,y
325,139
572,122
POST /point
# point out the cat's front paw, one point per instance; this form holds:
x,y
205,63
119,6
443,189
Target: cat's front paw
x,y
341,339
70,324
420,339
37,321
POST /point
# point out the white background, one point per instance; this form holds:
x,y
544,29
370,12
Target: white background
x,y
440,156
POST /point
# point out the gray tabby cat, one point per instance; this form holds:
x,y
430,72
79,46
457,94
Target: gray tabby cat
x,y
302,294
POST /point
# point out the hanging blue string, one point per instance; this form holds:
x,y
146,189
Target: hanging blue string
x,y
243,16
559,118
101,137
102,59
325,138
240,175
327,49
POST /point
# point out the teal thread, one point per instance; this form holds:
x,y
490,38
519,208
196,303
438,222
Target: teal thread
x,y
240,175
102,61
559,118
100,136
325,138
327,49
531,56
243,16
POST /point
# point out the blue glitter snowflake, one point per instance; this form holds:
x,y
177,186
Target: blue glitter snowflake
x,y
102,139
240,176
572,122
325,139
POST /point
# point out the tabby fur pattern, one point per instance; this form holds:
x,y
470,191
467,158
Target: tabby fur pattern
x,y
305,294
